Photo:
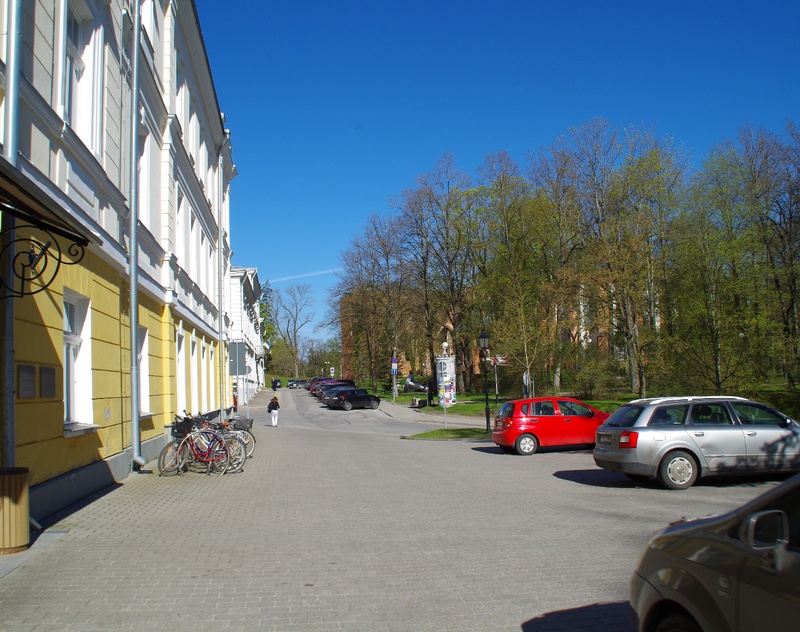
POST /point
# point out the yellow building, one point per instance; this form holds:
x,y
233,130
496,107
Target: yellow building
x,y
114,210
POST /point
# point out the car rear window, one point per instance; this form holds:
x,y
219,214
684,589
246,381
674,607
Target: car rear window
x,y
506,411
625,416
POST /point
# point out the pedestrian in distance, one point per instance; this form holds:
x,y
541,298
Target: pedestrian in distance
x,y
274,385
272,408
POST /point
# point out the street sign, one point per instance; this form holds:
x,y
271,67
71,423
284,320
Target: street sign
x,y
499,360
333,371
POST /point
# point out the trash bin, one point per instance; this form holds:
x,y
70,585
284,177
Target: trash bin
x,y
15,533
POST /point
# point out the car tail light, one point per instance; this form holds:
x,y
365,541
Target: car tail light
x,y
628,439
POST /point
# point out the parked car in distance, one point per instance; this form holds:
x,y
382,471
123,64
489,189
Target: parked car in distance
x,y
329,392
310,383
297,383
680,439
350,398
736,572
316,390
523,425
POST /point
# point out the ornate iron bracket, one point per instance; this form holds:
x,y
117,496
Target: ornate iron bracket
x,y
37,255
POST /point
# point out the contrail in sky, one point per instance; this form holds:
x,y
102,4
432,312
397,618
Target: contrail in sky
x,y
303,276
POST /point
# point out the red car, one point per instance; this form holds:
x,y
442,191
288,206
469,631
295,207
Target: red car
x,y
522,425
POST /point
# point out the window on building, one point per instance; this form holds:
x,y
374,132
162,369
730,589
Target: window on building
x,y
180,229
182,96
143,360
77,360
146,184
195,378
181,369
83,63
212,392
204,378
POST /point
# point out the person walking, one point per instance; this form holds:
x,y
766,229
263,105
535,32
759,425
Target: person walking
x,y
272,408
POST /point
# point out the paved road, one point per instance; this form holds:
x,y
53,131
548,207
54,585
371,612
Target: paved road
x,y
337,523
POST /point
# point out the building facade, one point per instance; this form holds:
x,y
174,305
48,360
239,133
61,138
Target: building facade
x,y
114,196
247,348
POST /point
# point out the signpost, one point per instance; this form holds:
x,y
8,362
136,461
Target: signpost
x,y
394,378
498,360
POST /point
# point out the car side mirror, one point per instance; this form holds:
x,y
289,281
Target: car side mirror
x,y
766,530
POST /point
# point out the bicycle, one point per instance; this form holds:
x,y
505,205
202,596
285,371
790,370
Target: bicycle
x,y
235,442
195,446
170,459
204,449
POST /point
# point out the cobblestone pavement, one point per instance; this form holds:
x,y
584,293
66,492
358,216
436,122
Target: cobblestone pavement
x,y
337,523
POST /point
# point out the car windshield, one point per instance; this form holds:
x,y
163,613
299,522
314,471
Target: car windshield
x,y
625,416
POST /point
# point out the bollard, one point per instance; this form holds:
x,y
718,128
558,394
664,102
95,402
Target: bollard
x,y
15,533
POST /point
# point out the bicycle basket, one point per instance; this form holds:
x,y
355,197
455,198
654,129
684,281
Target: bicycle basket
x,y
241,423
181,428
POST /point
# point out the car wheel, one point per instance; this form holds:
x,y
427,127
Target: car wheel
x,y
373,405
677,622
526,444
678,470
347,405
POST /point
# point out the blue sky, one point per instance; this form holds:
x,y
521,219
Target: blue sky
x,y
336,106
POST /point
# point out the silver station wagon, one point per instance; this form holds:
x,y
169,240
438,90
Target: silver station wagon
x,y
680,439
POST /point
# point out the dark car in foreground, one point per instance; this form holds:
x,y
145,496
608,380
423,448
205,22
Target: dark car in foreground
x,y
522,425
350,398
680,439
737,572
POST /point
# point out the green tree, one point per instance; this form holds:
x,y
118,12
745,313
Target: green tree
x,y
290,313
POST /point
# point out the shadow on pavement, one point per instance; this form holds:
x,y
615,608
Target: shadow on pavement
x,y
597,478
615,480
598,617
494,449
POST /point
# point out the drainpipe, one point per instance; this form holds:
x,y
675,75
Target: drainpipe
x,y
133,248
8,441
221,289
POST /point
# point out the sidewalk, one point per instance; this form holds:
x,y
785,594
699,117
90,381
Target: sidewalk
x,y
336,523
429,413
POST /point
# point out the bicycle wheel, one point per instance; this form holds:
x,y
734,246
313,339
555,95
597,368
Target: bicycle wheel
x,y
249,441
169,459
237,453
186,455
215,455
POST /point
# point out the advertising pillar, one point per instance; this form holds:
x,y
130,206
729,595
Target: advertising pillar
x,y
446,379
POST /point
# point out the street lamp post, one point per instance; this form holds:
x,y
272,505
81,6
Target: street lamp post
x,y
483,343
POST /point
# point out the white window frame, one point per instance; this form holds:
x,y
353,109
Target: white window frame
x,y
180,229
204,377
143,362
180,368
194,370
212,392
82,94
77,363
